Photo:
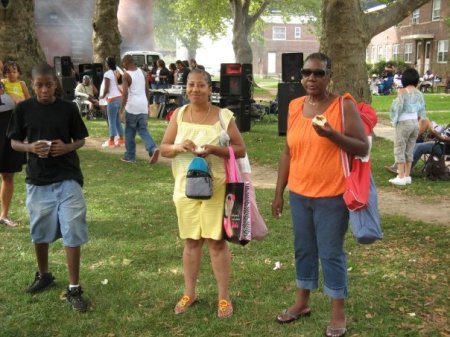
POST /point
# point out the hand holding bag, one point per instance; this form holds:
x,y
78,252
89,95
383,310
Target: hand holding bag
x,y
198,180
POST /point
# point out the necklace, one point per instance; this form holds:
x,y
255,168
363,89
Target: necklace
x,y
204,118
317,102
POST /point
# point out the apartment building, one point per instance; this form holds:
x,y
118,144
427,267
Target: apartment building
x,y
421,40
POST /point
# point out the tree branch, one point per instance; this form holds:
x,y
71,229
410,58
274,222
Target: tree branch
x,y
252,19
383,19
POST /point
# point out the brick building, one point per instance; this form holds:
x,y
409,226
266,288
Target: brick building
x,y
421,40
294,36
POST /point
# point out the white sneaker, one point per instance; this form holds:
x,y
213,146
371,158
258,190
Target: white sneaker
x,y
408,180
108,143
398,181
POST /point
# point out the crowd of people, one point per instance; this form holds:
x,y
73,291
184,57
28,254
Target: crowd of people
x,y
314,176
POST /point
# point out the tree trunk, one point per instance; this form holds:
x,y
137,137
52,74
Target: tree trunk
x,y
346,43
242,25
106,37
191,43
18,37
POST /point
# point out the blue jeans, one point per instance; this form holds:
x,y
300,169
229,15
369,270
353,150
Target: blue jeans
x,y
114,125
426,148
320,225
137,123
159,98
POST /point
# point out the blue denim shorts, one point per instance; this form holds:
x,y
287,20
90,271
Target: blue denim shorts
x,y
57,210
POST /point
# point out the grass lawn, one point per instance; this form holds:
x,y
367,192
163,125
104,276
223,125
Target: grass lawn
x,y
132,272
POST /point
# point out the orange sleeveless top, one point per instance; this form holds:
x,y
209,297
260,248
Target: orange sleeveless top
x,y
315,168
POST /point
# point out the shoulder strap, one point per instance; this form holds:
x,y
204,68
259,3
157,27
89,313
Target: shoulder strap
x,y
181,114
344,156
222,123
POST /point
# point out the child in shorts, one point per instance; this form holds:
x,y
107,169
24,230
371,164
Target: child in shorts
x,y
54,131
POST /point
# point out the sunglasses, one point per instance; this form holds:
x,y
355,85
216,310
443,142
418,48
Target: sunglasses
x,y
316,72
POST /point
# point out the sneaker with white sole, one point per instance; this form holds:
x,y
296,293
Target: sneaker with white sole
x,y
75,299
108,143
408,180
41,282
398,181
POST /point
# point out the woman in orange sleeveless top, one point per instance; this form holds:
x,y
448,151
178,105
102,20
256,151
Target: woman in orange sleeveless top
x,y
310,165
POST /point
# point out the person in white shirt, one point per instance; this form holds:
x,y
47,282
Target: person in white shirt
x,y
134,111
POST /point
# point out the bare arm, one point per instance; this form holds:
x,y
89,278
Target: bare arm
x,y
60,148
170,150
168,147
353,140
26,93
57,148
282,180
106,87
126,82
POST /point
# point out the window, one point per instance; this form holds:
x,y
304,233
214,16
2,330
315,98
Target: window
x,y
396,51
388,51
442,52
298,32
436,12
415,16
380,53
279,33
407,56
374,54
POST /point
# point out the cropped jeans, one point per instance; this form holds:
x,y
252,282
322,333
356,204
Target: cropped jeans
x,y
114,125
137,124
319,226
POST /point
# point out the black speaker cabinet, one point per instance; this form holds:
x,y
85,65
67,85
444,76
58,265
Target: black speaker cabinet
x,y
68,84
66,66
84,68
57,66
291,64
236,80
286,93
241,111
97,73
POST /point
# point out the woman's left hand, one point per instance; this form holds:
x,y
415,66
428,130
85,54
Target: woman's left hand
x,y
203,151
323,131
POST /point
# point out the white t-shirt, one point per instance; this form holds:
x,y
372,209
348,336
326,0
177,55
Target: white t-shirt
x,y
113,85
137,102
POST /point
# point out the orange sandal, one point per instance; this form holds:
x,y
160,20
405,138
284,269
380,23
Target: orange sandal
x,y
183,304
224,309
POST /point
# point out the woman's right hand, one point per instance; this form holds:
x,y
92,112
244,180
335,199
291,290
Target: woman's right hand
x,y
188,145
277,207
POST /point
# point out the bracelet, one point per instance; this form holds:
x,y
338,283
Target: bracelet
x,y
174,148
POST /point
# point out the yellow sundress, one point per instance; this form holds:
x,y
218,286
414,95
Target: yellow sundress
x,y
199,218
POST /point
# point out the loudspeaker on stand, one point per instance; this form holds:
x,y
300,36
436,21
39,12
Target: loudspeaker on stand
x,y
286,93
291,64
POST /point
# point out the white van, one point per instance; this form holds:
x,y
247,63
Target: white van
x,y
143,57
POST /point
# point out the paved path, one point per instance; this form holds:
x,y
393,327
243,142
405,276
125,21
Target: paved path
x,y
384,131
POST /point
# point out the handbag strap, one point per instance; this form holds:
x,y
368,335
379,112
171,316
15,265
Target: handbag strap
x,y
232,172
344,156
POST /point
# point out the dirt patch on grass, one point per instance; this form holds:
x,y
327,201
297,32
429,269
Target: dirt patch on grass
x,y
435,211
